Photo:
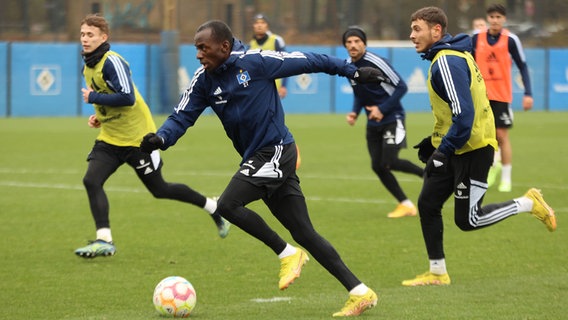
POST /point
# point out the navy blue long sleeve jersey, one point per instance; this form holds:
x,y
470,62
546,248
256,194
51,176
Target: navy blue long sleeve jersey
x,y
386,95
243,95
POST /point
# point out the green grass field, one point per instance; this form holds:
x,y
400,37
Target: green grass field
x,y
513,270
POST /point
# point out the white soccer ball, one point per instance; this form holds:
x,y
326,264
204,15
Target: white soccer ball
x,y
174,297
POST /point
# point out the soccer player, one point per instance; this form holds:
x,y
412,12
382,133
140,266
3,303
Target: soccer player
x,y
123,118
386,133
493,50
239,86
265,39
460,150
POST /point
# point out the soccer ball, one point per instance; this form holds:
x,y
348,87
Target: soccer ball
x,y
174,297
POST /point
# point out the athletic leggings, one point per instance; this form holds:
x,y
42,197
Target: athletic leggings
x,y
280,190
105,159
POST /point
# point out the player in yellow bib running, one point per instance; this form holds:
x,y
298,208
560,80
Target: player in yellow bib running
x,y
123,118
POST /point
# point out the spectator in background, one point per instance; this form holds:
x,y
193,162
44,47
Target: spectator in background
x,y
386,133
123,118
264,39
493,50
478,25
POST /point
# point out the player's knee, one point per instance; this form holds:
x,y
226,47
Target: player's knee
x,y
427,208
381,168
90,182
304,236
463,223
159,193
226,209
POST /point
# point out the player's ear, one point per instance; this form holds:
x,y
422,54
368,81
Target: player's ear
x,y
437,29
226,47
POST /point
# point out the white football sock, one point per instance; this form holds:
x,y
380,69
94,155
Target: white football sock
x,y
288,251
407,203
524,204
506,173
497,156
359,290
210,205
438,266
104,234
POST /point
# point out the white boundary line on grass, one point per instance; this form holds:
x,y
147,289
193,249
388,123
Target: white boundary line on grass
x,y
20,184
273,299
17,184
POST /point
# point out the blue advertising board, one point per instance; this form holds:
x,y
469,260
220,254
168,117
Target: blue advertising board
x,y
343,90
309,92
44,79
414,71
188,63
558,79
536,62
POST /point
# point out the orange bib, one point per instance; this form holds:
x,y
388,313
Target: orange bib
x,y
495,63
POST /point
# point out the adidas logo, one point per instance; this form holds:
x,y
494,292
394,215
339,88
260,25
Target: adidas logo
x,y
218,91
148,171
438,164
461,186
246,172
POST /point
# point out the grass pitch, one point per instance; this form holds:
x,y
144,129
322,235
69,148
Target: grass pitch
x,y
513,270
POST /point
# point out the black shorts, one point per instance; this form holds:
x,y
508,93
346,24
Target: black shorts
x,y
270,167
466,172
502,113
389,136
115,156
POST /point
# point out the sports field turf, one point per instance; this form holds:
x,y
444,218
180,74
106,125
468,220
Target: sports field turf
x,y
513,270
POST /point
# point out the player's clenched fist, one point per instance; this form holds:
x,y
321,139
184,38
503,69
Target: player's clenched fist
x,y
94,122
151,142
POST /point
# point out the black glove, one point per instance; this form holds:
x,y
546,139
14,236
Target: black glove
x,y
425,149
151,142
370,75
438,163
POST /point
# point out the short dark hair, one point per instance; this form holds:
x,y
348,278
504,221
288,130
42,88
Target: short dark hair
x,y
220,31
432,16
499,8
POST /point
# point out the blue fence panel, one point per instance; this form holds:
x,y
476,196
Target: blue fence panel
x,y
414,71
188,64
343,91
309,93
536,61
3,79
44,79
558,79
137,57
